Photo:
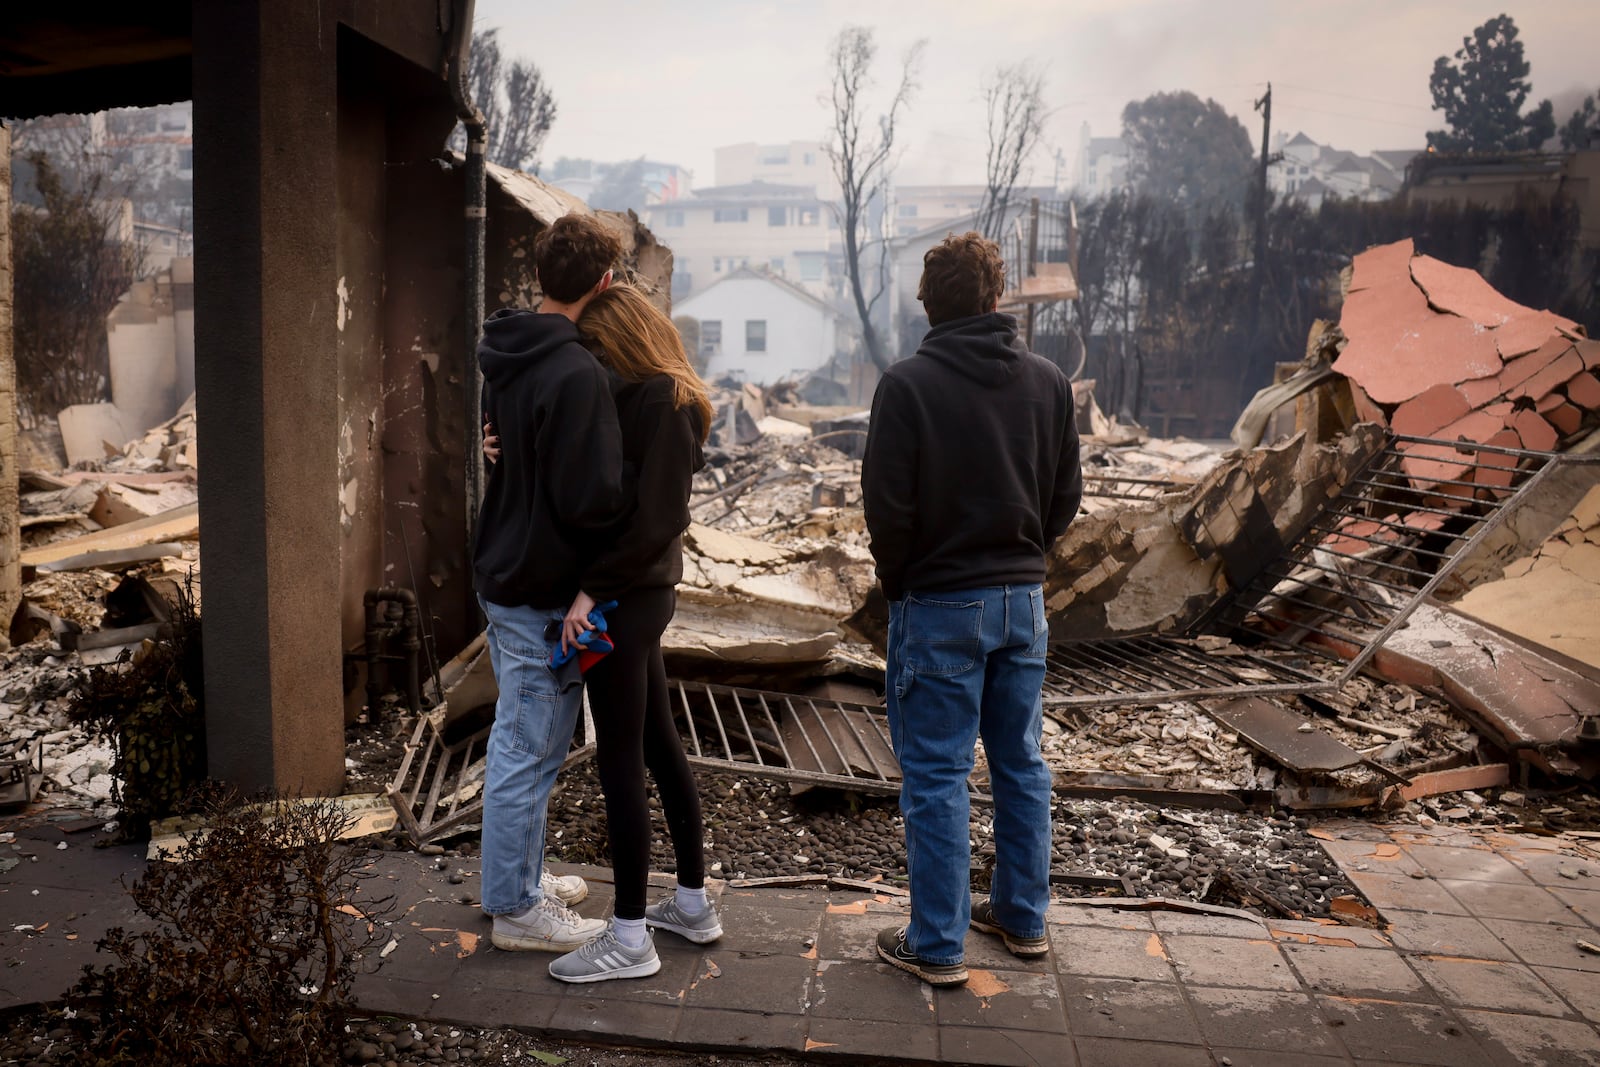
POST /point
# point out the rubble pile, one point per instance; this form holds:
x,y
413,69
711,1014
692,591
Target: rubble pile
x,y
1180,746
1490,690
170,446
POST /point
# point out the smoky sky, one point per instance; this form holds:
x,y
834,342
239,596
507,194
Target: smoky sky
x,y
671,82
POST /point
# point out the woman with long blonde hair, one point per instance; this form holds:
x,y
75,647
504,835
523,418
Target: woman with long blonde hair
x,y
665,416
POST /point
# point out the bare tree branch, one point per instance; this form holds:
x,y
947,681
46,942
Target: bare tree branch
x,y
861,157
517,104
1013,99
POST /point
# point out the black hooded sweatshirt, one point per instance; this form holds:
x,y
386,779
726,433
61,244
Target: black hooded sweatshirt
x,y
556,495
662,443
971,469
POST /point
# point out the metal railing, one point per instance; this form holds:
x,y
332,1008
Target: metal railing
x,y
1349,579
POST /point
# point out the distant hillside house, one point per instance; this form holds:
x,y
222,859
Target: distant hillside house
x,y
1102,164
1312,172
759,328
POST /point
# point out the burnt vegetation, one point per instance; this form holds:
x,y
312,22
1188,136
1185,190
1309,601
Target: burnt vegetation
x,y
255,934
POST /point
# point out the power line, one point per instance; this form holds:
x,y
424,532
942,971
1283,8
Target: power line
x,y
1352,96
1345,115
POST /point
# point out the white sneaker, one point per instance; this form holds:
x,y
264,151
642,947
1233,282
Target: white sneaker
x,y
604,958
548,926
567,888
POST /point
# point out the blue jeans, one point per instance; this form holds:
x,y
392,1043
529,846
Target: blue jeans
x,y
962,665
533,722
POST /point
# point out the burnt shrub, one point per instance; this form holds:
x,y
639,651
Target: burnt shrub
x,y
257,929
152,710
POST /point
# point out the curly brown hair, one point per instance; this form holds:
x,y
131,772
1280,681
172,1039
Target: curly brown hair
x,y
961,276
572,254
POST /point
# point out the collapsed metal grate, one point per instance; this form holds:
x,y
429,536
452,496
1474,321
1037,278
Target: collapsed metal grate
x,y
1114,487
795,738
1351,578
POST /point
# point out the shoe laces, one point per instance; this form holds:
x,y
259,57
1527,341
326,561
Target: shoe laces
x,y
558,911
606,942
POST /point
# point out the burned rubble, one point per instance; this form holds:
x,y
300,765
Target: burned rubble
x,y
1242,638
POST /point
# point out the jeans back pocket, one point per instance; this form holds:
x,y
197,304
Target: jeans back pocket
x,y
942,636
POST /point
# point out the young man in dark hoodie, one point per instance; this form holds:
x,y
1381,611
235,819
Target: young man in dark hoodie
x,y
556,490
970,474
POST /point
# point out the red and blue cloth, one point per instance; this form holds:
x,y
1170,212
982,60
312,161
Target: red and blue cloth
x,y
592,646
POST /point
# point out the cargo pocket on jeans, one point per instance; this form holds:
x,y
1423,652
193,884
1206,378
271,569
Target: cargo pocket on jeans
x,y
1041,625
942,636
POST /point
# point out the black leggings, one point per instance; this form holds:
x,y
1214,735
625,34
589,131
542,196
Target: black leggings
x,y
634,730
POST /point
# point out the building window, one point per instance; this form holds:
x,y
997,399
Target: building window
x,y
710,336
906,211
777,216
807,216
730,214
810,158
674,218
716,265
776,266
775,157
810,269
755,335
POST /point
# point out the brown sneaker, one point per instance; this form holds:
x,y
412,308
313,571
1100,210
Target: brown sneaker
x,y
893,950
1028,948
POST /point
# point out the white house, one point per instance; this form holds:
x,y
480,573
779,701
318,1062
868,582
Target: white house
x,y
1311,172
760,328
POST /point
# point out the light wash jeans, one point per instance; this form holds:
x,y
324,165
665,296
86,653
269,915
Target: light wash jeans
x,y
533,722
962,665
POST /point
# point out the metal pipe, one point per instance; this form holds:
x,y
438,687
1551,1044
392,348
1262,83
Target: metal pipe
x,y
380,630
474,211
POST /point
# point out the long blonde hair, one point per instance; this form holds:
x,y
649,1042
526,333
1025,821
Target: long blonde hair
x,y
634,338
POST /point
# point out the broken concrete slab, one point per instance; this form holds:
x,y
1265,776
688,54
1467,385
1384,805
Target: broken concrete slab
x,y
1550,596
1529,703
1158,566
92,431
179,524
108,558
723,629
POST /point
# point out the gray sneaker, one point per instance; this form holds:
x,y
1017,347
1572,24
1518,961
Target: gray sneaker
x,y
605,958
548,926
702,928
567,888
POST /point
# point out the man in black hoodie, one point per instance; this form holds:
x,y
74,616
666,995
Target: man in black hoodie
x,y
555,495
970,474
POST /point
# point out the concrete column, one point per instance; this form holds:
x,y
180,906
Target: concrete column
x,y
266,379
10,545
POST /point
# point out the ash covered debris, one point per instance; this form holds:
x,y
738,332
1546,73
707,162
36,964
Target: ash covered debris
x,y
779,596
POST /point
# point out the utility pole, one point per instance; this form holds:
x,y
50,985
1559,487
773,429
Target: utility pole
x,y
1258,352
1264,105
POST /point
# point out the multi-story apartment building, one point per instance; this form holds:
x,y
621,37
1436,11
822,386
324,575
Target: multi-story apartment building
x,y
795,163
786,230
